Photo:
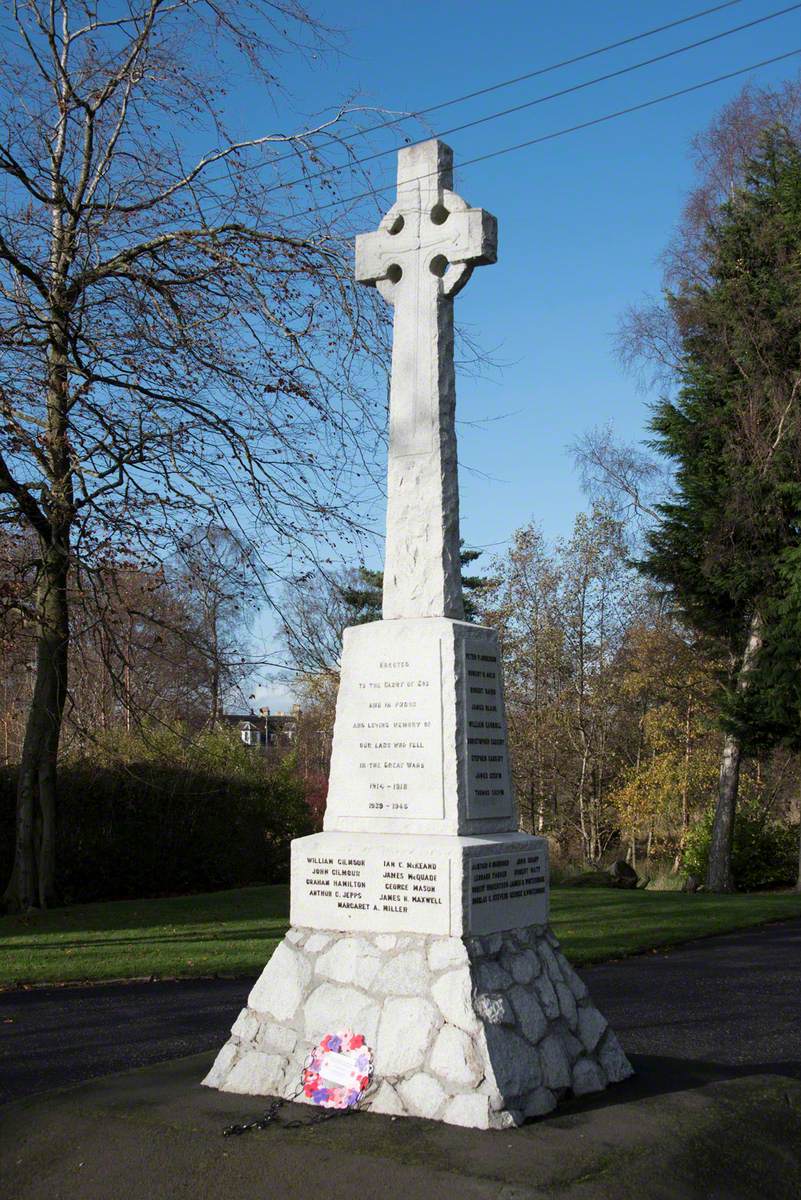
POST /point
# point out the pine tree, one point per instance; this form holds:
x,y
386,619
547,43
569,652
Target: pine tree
x,y
365,600
727,538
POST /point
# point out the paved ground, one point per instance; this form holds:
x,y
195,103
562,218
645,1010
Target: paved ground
x,y
714,1030
50,1037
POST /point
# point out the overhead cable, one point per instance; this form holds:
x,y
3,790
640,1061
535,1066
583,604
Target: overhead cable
x,y
578,87
505,83
547,137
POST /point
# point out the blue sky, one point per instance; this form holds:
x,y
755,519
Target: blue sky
x,y
582,219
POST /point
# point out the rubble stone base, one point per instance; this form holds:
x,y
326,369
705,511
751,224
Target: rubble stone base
x,y
480,1031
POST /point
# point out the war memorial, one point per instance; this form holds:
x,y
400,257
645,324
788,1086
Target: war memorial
x,y
419,916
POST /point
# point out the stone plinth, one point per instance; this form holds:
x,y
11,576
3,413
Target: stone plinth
x,y
451,886
420,733
481,1032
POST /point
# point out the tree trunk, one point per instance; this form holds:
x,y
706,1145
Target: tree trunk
x,y
585,845
32,882
719,876
685,790
798,881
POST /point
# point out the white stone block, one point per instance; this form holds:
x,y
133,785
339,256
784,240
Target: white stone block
x,y
280,987
317,942
331,1007
276,1038
386,941
454,996
422,1095
350,960
420,732
246,1025
567,1004
454,1060
514,1063
404,1032
386,1100
533,1024
256,1074
472,1111
447,952
587,1078
591,1026
555,1066
221,1065
404,975
611,1057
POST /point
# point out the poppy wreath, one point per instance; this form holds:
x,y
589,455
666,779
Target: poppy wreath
x,y
326,1092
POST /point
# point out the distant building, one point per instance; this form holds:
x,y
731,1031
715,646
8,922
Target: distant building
x,y
264,729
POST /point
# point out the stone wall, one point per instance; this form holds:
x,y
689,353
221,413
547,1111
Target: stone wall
x,y
481,1032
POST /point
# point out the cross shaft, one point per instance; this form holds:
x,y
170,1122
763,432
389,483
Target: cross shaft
x,y
421,255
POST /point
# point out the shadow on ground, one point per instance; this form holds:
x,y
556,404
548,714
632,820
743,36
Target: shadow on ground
x,y
677,1132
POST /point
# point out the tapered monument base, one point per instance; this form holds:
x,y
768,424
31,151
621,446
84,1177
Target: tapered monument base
x,y
476,1031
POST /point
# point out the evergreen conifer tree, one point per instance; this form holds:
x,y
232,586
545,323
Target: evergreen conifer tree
x,y
365,600
729,539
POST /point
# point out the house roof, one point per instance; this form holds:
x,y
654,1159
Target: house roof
x,y
242,719
256,721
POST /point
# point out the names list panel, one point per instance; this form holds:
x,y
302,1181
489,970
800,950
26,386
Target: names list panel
x,y
489,791
507,890
381,891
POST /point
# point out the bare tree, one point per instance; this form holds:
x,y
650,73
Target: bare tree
x,y
217,571
178,343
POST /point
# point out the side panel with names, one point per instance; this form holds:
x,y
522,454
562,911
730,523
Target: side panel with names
x,y
507,890
486,755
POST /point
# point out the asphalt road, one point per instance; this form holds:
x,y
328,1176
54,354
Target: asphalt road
x,y
715,1009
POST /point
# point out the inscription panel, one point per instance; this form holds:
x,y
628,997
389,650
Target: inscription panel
x,y
507,890
488,779
388,743
383,892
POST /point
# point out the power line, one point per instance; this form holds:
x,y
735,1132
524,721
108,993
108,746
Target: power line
x,y
578,87
495,87
546,137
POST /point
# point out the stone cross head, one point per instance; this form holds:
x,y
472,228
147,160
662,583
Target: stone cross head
x,y
430,238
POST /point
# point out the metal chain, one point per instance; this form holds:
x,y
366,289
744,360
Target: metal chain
x,y
270,1117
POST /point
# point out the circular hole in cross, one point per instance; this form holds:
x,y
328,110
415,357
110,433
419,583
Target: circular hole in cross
x,y
439,214
397,225
394,273
438,265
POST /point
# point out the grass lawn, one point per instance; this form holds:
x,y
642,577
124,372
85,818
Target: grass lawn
x,y
233,933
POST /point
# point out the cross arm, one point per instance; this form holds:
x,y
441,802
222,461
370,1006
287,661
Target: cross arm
x,y
373,257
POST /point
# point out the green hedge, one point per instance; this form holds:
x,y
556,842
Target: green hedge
x,y
164,815
764,854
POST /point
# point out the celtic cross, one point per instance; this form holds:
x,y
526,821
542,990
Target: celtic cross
x,y
421,255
